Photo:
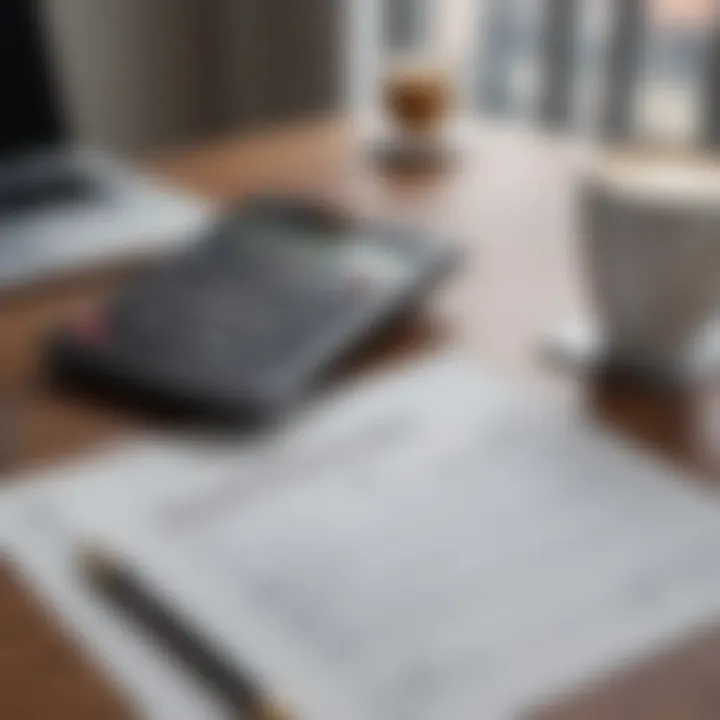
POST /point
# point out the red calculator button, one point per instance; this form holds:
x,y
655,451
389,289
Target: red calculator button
x,y
91,327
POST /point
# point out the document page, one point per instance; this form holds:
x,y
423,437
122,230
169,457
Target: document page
x,y
443,547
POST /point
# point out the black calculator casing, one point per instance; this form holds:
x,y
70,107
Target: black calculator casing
x,y
250,316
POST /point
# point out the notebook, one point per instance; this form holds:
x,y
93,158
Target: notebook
x,y
427,544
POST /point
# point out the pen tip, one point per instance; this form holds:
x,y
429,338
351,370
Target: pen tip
x,y
273,710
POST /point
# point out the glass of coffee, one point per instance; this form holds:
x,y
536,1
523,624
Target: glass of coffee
x,y
418,96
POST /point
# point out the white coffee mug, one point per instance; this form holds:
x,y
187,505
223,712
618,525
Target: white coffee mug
x,y
652,228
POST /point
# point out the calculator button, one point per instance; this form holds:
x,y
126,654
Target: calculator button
x,y
91,328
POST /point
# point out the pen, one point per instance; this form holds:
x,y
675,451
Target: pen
x,y
236,685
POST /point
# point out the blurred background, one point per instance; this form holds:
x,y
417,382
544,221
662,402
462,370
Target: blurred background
x,y
138,74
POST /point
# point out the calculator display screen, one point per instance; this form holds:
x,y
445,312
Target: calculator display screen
x,y
349,253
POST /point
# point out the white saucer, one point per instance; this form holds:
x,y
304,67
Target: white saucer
x,y
578,346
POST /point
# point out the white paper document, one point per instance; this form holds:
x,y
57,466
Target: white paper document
x,y
428,545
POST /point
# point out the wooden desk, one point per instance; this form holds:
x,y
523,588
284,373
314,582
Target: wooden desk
x,y
511,202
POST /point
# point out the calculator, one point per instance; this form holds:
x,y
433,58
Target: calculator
x,y
248,318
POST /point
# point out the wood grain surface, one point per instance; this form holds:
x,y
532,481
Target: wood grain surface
x,y
510,203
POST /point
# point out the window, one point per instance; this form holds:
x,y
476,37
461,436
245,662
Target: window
x,y
509,37
618,67
673,69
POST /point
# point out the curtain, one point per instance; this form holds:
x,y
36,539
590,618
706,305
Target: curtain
x,y
139,74
274,60
405,24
